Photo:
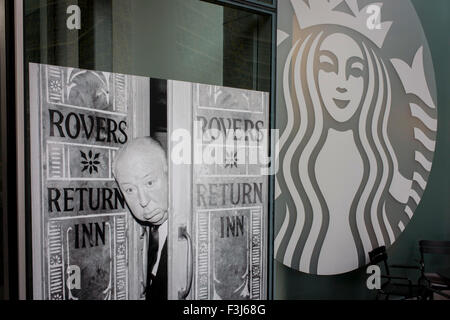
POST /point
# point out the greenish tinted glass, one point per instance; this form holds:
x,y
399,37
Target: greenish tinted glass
x,y
189,40
266,1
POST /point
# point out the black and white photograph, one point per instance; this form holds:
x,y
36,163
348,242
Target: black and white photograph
x,y
219,158
131,203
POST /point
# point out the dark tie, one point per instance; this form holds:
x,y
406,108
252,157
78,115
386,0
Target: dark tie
x,y
152,253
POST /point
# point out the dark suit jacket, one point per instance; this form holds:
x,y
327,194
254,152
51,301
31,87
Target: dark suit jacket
x,y
157,286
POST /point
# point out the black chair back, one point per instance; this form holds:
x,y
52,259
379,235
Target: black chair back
x,y
378,255
433,248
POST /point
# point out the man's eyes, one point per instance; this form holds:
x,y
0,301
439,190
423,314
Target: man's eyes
x,y
129,190
147,184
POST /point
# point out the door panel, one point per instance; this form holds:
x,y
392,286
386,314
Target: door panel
x,y
180,202
221,195
85,243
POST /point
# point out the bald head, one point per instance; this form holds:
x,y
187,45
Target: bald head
x,y
140,169
139,151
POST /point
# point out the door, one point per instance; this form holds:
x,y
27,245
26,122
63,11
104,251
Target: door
x,y
219,193
85,243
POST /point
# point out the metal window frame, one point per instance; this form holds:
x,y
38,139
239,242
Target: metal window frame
x,y
20,130
9,154
250,4
3,102
273,5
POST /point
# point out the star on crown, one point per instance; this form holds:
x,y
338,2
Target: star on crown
x,y
315,12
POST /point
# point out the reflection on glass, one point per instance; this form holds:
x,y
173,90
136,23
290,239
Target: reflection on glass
x,y
188,40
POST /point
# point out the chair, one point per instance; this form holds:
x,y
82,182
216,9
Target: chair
x,y
394,285
438,280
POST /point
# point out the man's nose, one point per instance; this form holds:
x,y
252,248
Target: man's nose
x,y
341,90
142,197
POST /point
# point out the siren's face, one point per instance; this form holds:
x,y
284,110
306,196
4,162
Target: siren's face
x,y
341,76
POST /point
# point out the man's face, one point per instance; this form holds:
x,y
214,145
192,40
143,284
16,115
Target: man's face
x,y
142,177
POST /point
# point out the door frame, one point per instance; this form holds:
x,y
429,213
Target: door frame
x,y
10,149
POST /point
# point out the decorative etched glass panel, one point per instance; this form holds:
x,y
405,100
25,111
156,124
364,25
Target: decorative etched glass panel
x,y
228,218
81,224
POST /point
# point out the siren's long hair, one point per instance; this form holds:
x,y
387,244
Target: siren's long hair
x,y
302,234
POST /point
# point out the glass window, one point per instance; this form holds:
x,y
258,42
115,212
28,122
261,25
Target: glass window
x,y
189,40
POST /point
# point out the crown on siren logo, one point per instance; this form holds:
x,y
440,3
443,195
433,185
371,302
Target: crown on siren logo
x,y
314,12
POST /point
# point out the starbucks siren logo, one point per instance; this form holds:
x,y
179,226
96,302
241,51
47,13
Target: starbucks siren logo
x,y
358,139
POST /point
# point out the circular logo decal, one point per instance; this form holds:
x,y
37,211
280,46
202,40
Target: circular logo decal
x,y
358,120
